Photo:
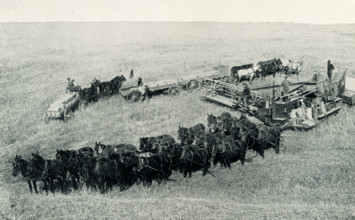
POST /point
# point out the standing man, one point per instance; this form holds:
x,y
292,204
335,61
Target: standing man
x,y
131,74
246,95
330,69
285,85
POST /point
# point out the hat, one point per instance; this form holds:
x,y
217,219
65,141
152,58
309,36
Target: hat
x,y
286,76
68,78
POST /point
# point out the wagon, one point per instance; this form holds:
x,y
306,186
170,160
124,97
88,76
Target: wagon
x,y
62,108
133,93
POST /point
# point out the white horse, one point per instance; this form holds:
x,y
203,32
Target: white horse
x,y
290,66
247,73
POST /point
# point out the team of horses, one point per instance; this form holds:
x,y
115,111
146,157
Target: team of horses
x,y
265,68
224,141
99,89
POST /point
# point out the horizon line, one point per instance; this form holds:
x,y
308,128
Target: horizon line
x,y
152,21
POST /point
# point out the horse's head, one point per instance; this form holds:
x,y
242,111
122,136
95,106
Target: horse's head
x,y
16,165
123,78
183,134
256,67
99,148
143,143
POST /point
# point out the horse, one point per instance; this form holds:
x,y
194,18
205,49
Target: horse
x,y
173,152
116,83
108,172
188,135
229,150
48,171
220,123
111,87
101,150
149,144
153,167
73,162
291,67
270,67
193,159
246,73
265,137
22,166
87,173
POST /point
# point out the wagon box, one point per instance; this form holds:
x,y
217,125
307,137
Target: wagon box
x,y
60,108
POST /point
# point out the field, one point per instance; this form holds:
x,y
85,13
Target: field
x,y
312,177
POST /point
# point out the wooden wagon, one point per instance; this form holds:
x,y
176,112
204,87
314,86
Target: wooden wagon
x,y
61,109
133,93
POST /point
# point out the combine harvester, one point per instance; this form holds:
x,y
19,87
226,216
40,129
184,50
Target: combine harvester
x,y
303,108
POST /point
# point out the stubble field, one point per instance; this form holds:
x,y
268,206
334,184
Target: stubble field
x,y
312,177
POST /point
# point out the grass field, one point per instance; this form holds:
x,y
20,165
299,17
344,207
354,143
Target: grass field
x,y
312,177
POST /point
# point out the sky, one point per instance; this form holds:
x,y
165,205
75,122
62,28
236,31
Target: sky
x,y
298,11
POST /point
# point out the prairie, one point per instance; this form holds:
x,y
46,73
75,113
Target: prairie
x,y
312,177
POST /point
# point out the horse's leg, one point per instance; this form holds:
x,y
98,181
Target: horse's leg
x,y
242,159
45,186
35,186
30,185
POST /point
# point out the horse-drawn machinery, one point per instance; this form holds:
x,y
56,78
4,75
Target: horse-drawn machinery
x,y
62,108
302,108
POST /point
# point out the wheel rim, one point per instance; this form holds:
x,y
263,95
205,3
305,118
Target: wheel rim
x,y
193,84
134,96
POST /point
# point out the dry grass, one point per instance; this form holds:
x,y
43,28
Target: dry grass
x,y
313,177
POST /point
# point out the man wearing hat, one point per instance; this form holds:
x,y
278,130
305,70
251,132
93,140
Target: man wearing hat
x,y
246,95
285,85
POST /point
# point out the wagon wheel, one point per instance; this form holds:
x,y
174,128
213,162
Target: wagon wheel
x,y
135,96
254,98
46,118
173,91
192,84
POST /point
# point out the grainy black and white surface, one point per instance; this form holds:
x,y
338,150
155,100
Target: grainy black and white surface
x,y
312,177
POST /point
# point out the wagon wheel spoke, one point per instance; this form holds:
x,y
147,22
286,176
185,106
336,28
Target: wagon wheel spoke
x,y
254,98
135,96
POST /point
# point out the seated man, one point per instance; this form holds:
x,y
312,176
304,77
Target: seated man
x,y
72,86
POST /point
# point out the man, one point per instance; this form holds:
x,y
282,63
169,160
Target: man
x,y
285,85
131,74
72,86
330,69
140,82
246,95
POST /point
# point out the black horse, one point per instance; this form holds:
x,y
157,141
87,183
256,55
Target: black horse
x,y
109,172
270,67
151,144
109,151
173,152
111,87
193,159
153,167
31,176
72,160
87,173
229,150
48,171
188,135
